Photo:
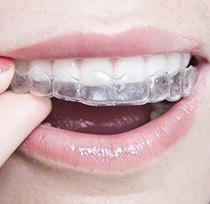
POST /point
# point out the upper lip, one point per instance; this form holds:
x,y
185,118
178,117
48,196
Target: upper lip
x,y
138,41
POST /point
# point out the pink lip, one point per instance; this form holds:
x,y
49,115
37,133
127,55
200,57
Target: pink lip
x,y
143,41
115,153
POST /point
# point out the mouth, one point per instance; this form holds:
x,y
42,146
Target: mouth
x,y
113,113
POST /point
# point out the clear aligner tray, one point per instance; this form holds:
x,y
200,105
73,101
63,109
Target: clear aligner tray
x,y
99,89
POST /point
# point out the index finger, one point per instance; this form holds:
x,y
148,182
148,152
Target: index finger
x,y
6,73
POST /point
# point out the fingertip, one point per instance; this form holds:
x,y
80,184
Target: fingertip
x,y
6,78
43,103
20,115
35,106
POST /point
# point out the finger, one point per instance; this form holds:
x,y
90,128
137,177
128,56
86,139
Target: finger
x,y
19,115
6,73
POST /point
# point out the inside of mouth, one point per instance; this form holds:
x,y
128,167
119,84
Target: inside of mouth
x,y
103,120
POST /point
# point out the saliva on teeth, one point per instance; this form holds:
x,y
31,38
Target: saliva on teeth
x,y
97,82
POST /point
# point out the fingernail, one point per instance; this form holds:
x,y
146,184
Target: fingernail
x,y
5,63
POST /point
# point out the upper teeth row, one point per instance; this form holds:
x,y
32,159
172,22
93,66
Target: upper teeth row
x,y
115,68
102,81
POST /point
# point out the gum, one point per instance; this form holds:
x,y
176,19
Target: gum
x,y
107,91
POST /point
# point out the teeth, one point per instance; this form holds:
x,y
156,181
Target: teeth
x,y
39,78
125,65
189,81
22,66
47,124
65,74
176,87
159,109
131,80
96,75
67,67
19,82
185,59
174,62
43,65
100,69
154,64
159,87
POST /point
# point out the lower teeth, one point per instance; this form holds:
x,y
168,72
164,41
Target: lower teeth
x,y
161,86
159,109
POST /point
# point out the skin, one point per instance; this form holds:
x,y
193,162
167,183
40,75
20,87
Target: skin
x,y
183,176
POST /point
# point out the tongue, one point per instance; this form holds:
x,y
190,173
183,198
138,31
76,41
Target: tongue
x,y
97,120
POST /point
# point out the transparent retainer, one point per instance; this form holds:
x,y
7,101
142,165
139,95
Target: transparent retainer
x,y
99,89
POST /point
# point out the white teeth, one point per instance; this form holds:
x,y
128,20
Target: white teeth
x,y
65,74
96,71
21,65
44,65
186,59
39,77
132,65
130,80
146,66
154,64
174,62
65,67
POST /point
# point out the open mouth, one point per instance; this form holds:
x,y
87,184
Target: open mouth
x,y
125,92
109,114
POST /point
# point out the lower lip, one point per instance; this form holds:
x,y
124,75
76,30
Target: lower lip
x,y
115,153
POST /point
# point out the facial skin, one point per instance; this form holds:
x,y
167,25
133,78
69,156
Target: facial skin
x,y
181,177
